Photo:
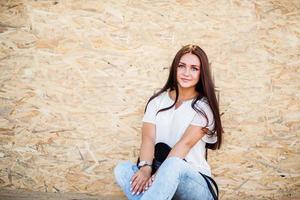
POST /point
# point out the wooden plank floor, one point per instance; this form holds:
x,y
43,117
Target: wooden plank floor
x,y
30,195
8,194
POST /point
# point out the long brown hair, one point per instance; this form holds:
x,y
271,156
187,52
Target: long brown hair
x,y
205,88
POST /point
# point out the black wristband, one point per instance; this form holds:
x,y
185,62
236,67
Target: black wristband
x,y
139,167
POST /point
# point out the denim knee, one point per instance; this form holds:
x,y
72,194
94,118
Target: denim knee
x,y
174,163
174,160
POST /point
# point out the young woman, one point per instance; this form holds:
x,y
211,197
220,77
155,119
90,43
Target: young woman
x,y
184,114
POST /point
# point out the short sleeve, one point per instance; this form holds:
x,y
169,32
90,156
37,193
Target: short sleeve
x,y
150,114
200,120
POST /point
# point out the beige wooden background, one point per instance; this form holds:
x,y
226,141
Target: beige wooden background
x,y
75,77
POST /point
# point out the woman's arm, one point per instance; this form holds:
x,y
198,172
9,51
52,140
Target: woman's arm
x,y
148,142
190,137
140,178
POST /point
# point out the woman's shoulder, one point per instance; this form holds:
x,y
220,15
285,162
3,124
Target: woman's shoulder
x,y
202,102
161,96
203,105
157,100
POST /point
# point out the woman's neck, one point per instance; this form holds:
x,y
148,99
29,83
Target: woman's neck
x,y
184,94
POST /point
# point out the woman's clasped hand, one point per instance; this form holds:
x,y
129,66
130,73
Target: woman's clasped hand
x,y
141,180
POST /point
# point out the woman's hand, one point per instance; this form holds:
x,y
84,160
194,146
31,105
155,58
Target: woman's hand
x,y
149,183
139,180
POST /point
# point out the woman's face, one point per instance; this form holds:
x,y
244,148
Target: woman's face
x,y
188,71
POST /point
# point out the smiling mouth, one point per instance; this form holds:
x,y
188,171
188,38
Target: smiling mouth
x,y
185,80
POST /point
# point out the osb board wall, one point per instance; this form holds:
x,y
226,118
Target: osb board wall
x,y
75,77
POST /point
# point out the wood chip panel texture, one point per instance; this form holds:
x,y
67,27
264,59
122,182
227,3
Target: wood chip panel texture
x,y
75,77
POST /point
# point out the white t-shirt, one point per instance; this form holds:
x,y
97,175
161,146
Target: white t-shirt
x,y
171,125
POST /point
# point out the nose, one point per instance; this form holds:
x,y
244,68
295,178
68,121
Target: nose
x,y
187,71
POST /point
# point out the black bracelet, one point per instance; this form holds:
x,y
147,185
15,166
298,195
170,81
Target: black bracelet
x,y
145,165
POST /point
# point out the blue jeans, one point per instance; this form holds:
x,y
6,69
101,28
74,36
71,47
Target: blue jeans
x,y
174,180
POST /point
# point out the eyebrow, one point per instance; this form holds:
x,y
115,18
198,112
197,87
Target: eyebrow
x,y
191,65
